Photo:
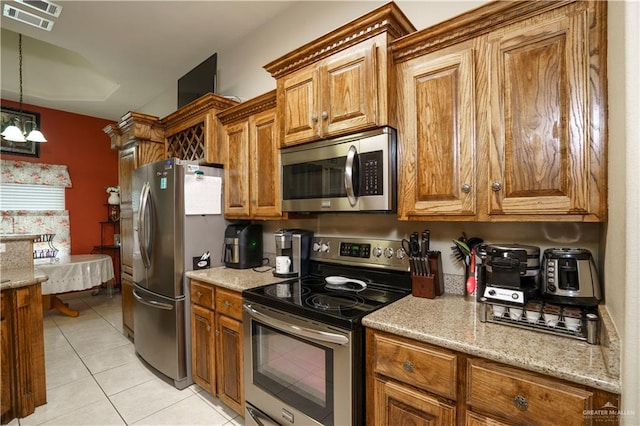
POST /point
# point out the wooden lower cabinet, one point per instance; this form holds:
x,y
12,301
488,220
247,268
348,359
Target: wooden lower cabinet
x,y
216,342
411,382
127,304
23,385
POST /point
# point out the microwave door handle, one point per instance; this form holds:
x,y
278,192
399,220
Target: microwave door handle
x,y
295,329
348,175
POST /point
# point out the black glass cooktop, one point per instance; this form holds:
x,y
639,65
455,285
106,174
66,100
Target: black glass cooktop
x,y
341,300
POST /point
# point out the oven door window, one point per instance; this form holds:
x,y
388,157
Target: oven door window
x,y
314,179
293,370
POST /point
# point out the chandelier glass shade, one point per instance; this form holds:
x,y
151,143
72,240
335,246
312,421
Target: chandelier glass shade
x,y
16,132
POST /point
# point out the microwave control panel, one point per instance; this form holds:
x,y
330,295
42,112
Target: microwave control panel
x,y
371,173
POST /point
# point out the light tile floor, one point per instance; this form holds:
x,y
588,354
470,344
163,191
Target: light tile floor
x,y
95,378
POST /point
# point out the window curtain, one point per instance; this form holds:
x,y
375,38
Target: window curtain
x,y
35,173
38,222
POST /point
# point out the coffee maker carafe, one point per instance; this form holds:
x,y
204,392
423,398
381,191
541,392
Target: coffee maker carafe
x,y
296,245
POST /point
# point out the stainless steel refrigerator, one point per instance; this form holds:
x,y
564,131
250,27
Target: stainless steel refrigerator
x,y
177,217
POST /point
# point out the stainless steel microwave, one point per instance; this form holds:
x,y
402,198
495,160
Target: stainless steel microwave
x,y
348,174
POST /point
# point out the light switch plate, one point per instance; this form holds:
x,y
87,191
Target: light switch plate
x,y
3,247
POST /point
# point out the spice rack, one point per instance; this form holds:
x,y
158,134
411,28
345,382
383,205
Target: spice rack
x,y
45,253
587,329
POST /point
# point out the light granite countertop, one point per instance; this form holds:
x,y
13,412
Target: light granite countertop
x,y
235,279
20,277
452,322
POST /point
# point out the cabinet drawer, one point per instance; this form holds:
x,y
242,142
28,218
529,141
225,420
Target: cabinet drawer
x,y
229,303
523,397
417,364
202,294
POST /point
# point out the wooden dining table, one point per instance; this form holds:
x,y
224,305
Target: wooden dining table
x,y
75,272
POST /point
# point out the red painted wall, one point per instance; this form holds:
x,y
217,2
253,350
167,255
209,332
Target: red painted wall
x,y
78,142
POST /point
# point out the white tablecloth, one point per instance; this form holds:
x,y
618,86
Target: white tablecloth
x,y
75,272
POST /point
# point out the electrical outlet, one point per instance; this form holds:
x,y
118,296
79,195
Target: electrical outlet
x,y
3,247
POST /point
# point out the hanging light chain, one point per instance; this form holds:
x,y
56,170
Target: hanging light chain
x,y
20,66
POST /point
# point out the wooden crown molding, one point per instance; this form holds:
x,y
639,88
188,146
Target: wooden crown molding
x,y
252,106
200,106
482,20
385,19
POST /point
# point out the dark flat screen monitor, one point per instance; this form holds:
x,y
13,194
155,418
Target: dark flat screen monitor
x,y
198,81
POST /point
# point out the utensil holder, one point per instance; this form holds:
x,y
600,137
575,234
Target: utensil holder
x,y
423,286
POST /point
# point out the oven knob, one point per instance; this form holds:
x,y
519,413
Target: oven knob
x,y
400,253
316,246
377,252
388,252
324,248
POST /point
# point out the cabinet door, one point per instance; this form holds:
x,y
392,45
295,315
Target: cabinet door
x,y
349,90
396,404
236,171
7,366
299,106
437,134
127,162
127,304
203,368
229,364
265,166
475,419
539,147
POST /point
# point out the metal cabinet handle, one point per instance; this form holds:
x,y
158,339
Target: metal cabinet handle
x,y
408,366
521,402
496,186
325,115
466,188
199,294
227,304
208,328
314,118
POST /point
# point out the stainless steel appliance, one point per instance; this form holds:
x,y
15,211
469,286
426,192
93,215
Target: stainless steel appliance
x,y
295,244
511,273
304,345
570,277
243,245
354,173
177,216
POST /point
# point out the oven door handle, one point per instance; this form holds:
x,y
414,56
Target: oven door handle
x,y
260,418
309,333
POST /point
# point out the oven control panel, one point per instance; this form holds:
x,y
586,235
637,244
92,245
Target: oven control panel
x,y
360,251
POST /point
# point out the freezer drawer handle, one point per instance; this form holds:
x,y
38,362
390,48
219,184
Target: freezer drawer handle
x,y
297,330
152,303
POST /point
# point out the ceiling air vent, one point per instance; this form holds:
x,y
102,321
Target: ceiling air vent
x,y
43,6
27,18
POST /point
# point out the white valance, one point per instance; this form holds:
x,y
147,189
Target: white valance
x,y
35,173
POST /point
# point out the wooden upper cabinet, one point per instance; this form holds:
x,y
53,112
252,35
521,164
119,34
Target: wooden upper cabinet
x,y
539,139
338,84
252,167
503,114
194,133
437,128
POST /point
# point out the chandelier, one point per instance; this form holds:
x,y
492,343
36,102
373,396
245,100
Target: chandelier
x,y
16,132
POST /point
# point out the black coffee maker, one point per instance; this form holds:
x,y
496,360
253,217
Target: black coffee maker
x,y
511,273
242,246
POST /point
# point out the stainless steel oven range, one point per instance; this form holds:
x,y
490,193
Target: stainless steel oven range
x,y
304,341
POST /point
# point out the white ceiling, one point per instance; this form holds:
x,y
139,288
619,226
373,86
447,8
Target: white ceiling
x,y
104,58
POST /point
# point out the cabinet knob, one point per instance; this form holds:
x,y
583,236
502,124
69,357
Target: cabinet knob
x,y
199,294
227,304
314,118
521,402
496,186
325,115
466,188
208,328
408,366
217,332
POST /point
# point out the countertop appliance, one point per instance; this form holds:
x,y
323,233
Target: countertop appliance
x,y
243,245
304,347
511,273
296,245
570,277
177,214
347,174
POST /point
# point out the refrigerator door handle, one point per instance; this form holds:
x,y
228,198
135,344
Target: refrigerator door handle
x,y
152,303
142,225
